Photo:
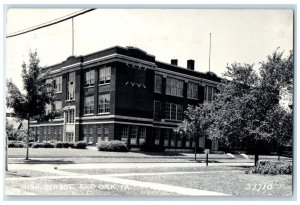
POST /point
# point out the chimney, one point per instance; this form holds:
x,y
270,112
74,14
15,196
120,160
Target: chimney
x,y
190,64
174,62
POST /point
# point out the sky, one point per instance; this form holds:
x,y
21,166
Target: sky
x,y
240,35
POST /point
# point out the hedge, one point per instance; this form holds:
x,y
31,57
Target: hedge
x,y
16,144
271,168
112,146
42,145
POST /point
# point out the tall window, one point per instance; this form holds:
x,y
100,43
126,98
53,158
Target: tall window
x,y
71,86
100,133
57,83
124,134
157,110
174,87
70,116
104,75
157,136
89,105
91,134
173,111
158,84
89,77
106,132
104,103
48,108
209,93
58,105
142,135
192,91
133,134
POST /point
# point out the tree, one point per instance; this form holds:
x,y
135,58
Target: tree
x,y
31,103
248,104
247,107
196,121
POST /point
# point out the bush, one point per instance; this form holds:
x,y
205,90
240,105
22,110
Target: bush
x,y
42,145
80,145
60,144
16,144
112,146
152,148
271,168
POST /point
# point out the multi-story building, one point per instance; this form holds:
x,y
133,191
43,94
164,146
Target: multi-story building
x,y
124,94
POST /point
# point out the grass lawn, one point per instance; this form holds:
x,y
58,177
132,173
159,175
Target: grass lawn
x,y
81,187
234,183
153,170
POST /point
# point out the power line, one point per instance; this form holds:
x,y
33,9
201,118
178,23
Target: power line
x,y
49,23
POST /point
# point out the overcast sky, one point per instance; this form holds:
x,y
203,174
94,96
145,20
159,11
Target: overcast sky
x,y
244,36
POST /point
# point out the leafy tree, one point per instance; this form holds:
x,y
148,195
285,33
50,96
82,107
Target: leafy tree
x,y
195,124
247,107
31,103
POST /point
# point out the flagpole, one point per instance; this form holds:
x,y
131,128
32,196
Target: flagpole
x,y
209,51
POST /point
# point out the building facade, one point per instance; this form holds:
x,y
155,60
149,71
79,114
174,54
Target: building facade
x,y
124,94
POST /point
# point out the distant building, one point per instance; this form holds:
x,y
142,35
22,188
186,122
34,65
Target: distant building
x,y
124,94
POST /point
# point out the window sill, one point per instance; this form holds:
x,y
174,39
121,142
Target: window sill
x,y
192,98
175,95
91,114
89,86
58,92
70,100
103,113
103,84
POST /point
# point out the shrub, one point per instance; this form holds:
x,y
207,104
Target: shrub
x,y
42,145
271,168
16,144
113,146
152,148
80,145
60,144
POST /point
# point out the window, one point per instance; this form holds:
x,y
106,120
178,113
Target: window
x,y
133,135
70,116
91,134
89,77
58,105
174,87
157,136
104,103
100,133
71,86
124,134
104,75
192,91
209,93
173,111
70,136
166,139
89,105
48,108
173,138
57,84
156,110
85,133
48,83
106,132
158,84
142,135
